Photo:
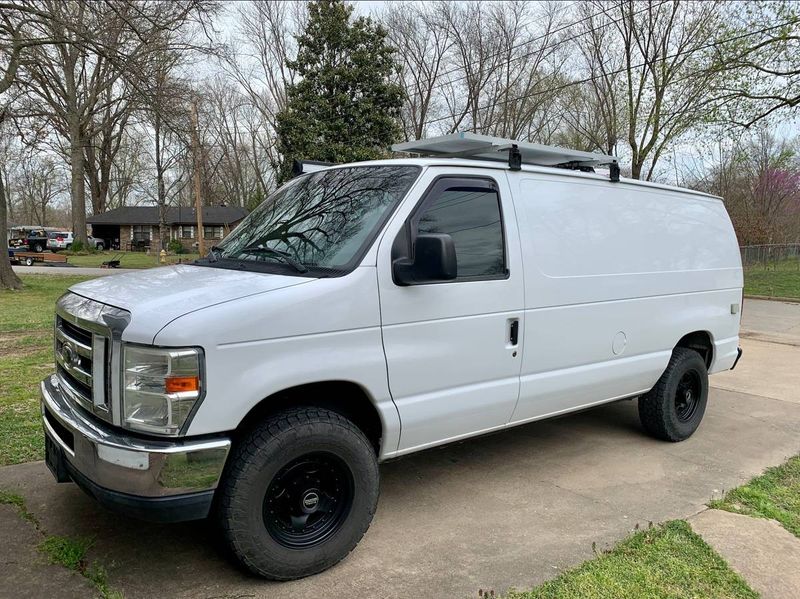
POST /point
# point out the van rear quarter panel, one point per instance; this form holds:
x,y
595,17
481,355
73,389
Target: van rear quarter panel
x,y
615,275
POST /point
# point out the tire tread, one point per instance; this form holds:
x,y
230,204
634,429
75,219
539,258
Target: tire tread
x,y
653,405
233,517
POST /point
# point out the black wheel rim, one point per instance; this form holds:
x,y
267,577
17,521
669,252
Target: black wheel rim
x,y
308,500
687,396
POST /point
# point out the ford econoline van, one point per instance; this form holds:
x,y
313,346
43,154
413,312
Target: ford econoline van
x,y
366,311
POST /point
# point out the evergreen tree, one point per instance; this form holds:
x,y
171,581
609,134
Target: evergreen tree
x,y
345,107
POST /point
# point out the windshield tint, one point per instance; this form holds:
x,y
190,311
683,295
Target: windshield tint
x,y
321,220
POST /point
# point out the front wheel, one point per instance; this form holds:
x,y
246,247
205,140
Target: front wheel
x,y
673,409
100,247
299,493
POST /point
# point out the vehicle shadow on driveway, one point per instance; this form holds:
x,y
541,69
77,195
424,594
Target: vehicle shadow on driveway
x,y
508,509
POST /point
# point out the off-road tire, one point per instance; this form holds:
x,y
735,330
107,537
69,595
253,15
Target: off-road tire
x,y
260,456
658,411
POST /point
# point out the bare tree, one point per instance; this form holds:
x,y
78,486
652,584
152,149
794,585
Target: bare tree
x,y
267,30
108,131
422,45
234,140
670,74
16,19
165,107
594,112
129,177
476,56
39,184
525,86
78,84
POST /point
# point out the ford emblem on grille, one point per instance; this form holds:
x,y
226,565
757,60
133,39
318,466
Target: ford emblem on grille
x,y
70,355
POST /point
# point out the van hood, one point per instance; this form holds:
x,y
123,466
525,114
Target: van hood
x,y
157,296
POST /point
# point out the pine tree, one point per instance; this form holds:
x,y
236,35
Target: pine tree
x,y
344,108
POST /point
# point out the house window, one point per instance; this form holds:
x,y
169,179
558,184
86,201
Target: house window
x,y
141,232
187,232
212,232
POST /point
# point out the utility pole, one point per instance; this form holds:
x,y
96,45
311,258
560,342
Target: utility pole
x,y
198,207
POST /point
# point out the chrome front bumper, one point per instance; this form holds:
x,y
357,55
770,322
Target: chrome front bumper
x,y
115,464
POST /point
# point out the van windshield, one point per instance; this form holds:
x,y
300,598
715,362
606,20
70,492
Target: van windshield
x,y
317,223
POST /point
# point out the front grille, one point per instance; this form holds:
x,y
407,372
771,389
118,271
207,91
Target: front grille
x,y
82,365
87,351
76,333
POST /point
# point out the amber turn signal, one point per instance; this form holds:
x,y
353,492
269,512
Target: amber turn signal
x,y
180,384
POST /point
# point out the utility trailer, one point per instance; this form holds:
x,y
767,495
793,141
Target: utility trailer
x,y
30,258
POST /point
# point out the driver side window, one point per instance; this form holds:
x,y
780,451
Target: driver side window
x,y
472,217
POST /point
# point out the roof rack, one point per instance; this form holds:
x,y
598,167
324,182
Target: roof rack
x,y
485,147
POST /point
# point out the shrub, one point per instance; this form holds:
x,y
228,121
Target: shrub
x,y
176,247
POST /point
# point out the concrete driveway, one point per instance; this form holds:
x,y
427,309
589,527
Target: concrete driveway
x,y
510,509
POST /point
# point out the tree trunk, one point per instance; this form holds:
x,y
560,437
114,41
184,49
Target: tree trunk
x,y
197,196
78,185
8,278
163,231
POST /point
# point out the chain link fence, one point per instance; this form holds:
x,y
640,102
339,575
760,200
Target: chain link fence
x,y
785,256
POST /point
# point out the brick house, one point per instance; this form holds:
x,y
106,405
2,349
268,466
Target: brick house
x,y
133,228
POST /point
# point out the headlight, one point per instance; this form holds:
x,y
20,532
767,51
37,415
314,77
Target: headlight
x,y
160,387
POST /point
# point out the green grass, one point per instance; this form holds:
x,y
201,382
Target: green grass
x,y
26,357
127,259
66,551
70,552
666,561
775,494
775,279
7,498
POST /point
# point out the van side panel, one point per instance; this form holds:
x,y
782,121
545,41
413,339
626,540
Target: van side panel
x,y
261,344
615,275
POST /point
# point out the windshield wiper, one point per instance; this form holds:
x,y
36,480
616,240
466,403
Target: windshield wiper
x,y
254,249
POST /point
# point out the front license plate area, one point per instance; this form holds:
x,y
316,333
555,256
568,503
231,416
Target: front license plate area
x,y
54,458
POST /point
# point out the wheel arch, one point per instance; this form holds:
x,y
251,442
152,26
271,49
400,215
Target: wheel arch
x,y
700,341
347,398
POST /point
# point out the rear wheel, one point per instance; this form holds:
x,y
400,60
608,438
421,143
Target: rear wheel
x,y
299,494
38,248
673,409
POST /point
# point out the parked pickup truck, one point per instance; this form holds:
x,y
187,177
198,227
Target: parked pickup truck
x,y
375,309
37,240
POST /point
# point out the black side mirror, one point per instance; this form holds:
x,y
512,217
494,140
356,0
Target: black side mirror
x,y
434,260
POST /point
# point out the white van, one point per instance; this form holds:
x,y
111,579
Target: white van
x,y
372,310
